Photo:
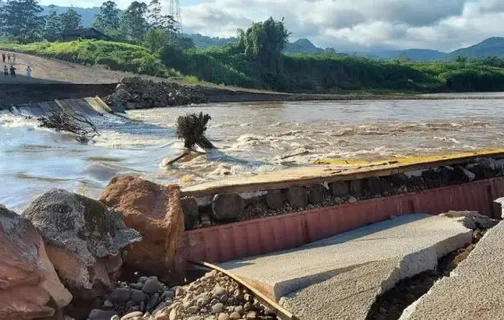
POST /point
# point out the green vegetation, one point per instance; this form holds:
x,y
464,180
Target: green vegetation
x,y
112,55
147,42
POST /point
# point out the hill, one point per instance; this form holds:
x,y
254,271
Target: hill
x,y
87,14
491,47
303,46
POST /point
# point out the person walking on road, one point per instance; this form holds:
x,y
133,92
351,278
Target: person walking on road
x,y
5,71
3,57
28,72
14,58
8,58
12,71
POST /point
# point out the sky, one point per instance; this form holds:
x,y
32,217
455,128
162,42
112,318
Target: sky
x,y
348,25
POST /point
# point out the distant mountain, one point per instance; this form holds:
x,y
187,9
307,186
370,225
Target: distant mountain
x,y
87,14
412,54
302,46
491,47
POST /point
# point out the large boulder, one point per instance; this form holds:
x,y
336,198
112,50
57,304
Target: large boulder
x,y
83,239
156,211
29,285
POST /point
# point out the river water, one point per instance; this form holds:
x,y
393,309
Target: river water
x,y
251,137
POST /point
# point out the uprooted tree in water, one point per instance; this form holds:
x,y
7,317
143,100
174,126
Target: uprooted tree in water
x,y
60,120
192,129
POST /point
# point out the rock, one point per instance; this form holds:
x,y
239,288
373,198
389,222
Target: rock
x,y
297,197
80,235
339,188
227,206
180,291
115,317
247,297
356,188
316,194
143,279
224,316
137,286
235,315
239,309
377,186
28,280
132,315
155,211
274,199
195,318
153,301
352,199
191,214
252,315
137,296
192,309
108,304
169,294
97,314
120,295
162,305
218,290
217,308
152,285
173,314
247,307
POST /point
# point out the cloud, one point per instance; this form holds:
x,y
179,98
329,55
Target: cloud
x,y
357,24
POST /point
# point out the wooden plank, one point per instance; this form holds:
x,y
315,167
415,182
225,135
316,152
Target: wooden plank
x,y
307,175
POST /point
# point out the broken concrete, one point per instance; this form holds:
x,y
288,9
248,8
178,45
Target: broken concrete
x,y
340,277
474,289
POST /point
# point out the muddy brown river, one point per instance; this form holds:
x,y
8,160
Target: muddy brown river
x,y
251,137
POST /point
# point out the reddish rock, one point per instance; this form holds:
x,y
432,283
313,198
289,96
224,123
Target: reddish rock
x,y
29,285
156,212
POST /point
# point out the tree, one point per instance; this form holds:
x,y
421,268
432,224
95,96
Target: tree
x,y
264,41
156,39
70,20
156,19
21,20
108,19
133,22
461,59
53,27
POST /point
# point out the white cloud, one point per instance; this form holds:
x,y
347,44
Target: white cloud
x,y
357,24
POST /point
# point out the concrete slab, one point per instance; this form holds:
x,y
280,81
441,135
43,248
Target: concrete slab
x,y
474,290
340,277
